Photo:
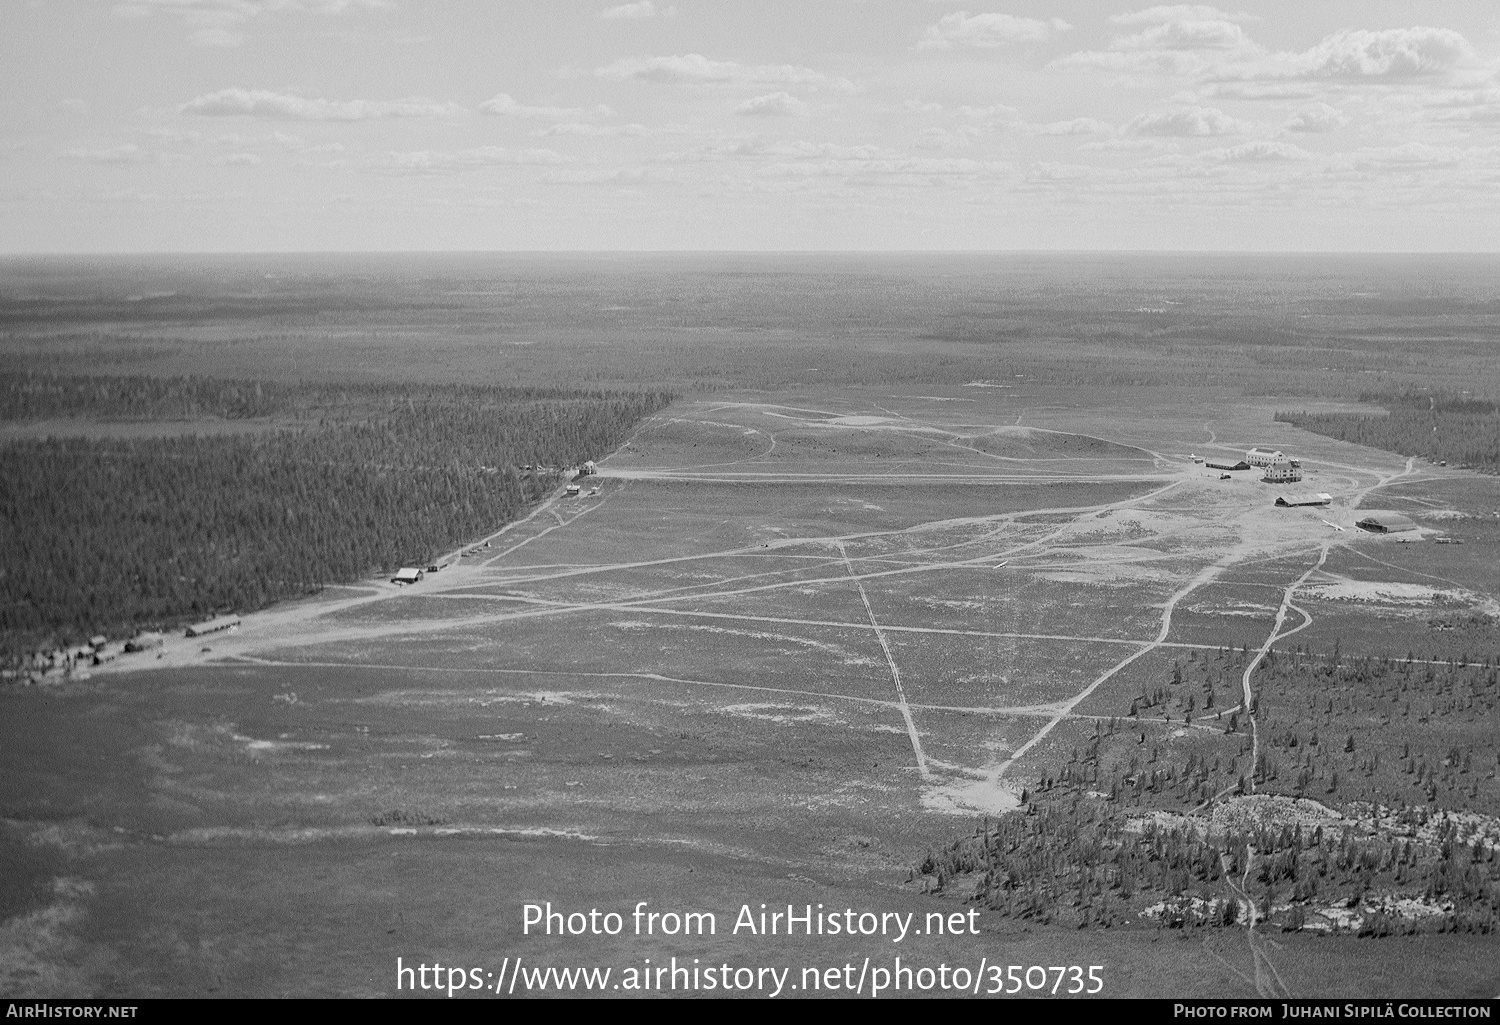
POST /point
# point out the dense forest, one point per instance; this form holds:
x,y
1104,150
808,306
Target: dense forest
x,y
28,396
1127,827
105,535
1448,428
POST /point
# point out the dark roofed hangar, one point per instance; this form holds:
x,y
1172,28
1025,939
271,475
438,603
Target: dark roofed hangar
x,y
1385,522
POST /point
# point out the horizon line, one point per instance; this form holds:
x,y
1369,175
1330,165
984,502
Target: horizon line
x,y
80,253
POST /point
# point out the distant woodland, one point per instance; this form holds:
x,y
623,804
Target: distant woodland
x,y
1453,429
105,535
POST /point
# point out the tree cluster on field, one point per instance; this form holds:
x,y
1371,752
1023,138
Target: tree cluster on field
x,y
106,535
1442,427
1335,727
1075,860
1407,740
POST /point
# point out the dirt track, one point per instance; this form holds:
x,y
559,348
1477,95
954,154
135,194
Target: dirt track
x,y
773,659
1168,525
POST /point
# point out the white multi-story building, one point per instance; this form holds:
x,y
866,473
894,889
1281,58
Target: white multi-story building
x,y
1281,471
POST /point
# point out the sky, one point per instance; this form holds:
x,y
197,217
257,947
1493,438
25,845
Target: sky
x,y
418,125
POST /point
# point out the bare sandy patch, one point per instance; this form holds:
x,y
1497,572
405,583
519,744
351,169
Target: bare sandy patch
x,y
1385,592
970,796
779,713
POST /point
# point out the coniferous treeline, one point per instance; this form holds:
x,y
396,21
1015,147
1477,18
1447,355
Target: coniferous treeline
x,y
107,535
1455,429
1075,861
27,396
43,396
1122,829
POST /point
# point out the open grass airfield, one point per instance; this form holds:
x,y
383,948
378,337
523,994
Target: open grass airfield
x,y
783,645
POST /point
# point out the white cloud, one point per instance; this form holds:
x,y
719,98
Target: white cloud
x,y
1360,55
503,104
1186,122
1320,118
937,137
1413,156
1393,53
636,11
469,159
1178,12
297,144
609,176
988,30
219,22
586,130
1468,105
765,161
1186,35
802,150
778,104
1204,43
916,172
988,113
127,153
238,160
696,69
1049,172
1171,63
175,135
284,106
1130,145
757,148
993,112
1257,152
1181,40
1077,126
1273,91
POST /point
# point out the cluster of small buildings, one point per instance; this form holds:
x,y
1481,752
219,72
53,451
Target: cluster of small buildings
x,y
99,650
1279,468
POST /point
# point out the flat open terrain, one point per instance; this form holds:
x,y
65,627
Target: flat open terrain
x,y
792,643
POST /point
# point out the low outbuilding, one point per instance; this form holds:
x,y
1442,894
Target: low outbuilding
x,y
407,575
1297,498
1222,463
145,640
213,626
